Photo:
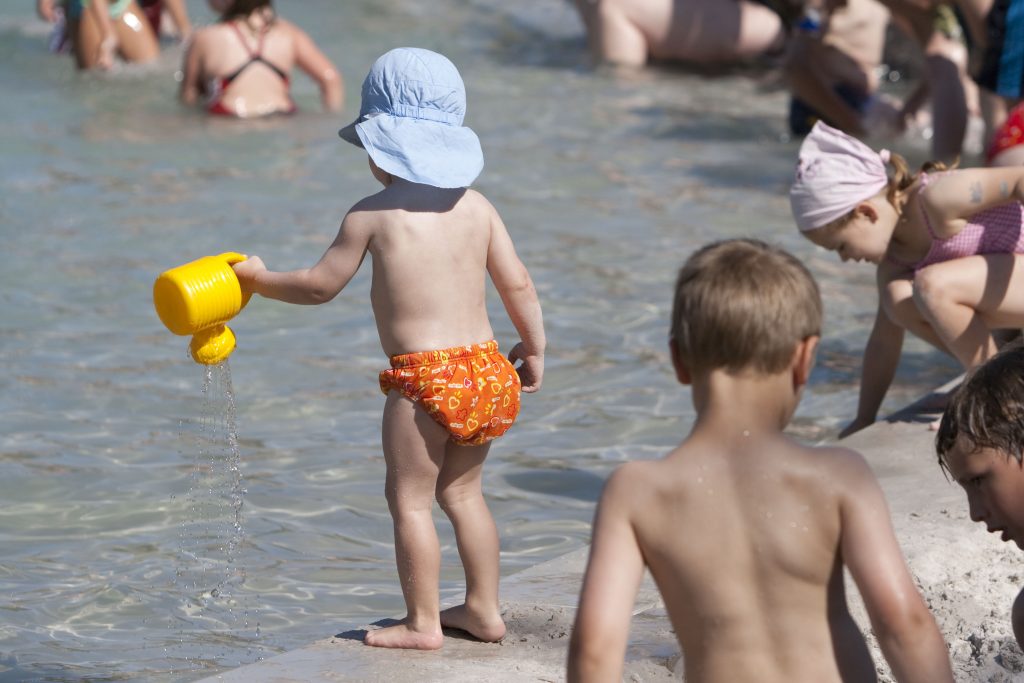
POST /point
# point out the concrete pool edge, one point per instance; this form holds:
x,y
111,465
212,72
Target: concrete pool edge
x,y
928,513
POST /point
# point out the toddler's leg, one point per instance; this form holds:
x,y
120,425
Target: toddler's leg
x,y
414,449
461,497
968,297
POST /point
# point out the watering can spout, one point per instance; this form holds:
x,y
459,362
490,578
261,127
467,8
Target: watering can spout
x,y
197,299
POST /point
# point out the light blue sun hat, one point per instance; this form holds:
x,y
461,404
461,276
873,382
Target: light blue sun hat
x,y
410,120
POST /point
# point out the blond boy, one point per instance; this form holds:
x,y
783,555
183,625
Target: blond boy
x,y
449,391
745,531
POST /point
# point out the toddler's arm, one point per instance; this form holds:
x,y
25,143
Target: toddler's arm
x,y
310,59
315,285
953,197
515,287
906,630
597,648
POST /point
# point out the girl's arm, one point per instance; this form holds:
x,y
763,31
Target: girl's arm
x,y
310,59
179,15
881,358
191,87
952,198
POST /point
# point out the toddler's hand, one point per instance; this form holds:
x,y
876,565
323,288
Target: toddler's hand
x,y
247,271
531,370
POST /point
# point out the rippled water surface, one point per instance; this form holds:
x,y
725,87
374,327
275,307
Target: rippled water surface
x,y
122,504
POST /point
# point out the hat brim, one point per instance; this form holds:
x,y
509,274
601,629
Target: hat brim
x,y
419,150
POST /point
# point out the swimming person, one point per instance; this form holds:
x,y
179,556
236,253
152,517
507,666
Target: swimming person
x,y
240,66
99,31
745,531
449,390
947,246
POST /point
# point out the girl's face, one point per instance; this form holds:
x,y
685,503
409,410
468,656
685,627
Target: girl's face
x,y
865,237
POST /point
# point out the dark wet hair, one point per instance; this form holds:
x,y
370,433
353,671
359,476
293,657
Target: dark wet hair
x,y
743,304
987,410
240,9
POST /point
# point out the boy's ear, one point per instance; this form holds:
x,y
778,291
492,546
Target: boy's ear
x,y
803,360
682,372
868,210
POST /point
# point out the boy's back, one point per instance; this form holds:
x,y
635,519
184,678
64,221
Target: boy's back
x,y
745,531
743,539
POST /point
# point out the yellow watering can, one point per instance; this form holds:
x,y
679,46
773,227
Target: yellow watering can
x,y
198,298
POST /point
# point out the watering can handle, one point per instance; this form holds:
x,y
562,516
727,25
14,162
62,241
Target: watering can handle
x,y
231,258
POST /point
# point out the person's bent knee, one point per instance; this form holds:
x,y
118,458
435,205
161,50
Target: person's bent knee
x,y
930,289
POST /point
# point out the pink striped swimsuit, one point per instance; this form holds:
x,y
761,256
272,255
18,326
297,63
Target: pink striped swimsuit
x,y
992,231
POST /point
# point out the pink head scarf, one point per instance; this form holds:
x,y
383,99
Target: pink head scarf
x,y
834,173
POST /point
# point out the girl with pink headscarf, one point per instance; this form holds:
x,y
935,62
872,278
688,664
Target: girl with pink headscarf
x,y
947,245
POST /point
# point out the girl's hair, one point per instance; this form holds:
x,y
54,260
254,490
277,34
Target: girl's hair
x,y
241,9
899,181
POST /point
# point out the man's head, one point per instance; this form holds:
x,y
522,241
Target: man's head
x,y
981,443
743,305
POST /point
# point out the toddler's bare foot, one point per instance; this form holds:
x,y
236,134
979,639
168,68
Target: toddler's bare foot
x,y
401,636
487,627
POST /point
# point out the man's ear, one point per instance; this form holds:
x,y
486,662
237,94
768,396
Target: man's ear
x,y
868,210
803,360
682,372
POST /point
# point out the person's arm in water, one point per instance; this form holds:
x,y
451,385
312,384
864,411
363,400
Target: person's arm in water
x,y
906,630
318,284
179,15
952,198
46,11
597,648
108,44
315,63
515,287
191,87
878,364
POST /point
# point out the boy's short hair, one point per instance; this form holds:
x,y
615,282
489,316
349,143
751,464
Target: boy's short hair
x,y
743,304
988,408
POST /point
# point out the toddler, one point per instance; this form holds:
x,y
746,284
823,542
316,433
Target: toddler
x,y
449,390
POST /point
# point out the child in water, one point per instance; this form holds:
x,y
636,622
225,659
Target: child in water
x,y
241,66
449,391
745,531
981,445
947,246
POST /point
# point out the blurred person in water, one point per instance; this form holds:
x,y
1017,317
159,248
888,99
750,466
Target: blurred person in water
x,y
100,31
700,32
241,65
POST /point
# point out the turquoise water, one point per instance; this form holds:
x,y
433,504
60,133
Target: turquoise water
x,y
114,501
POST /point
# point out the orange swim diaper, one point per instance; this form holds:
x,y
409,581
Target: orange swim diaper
x,y
472,391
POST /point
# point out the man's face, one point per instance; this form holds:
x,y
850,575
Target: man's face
x,y
994,483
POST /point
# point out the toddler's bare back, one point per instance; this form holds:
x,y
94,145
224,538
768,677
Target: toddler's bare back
x,y
430,251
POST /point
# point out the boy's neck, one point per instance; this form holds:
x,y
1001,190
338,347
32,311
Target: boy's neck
x,y
745,403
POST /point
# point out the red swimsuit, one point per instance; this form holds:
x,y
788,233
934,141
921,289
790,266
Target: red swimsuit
x,y
220,85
